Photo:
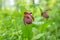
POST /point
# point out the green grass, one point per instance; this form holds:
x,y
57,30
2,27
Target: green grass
x,y
12,26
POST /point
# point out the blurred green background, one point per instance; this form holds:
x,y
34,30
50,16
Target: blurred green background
x,y
11,20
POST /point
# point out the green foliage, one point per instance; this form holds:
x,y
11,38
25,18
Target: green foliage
x,y
12,26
